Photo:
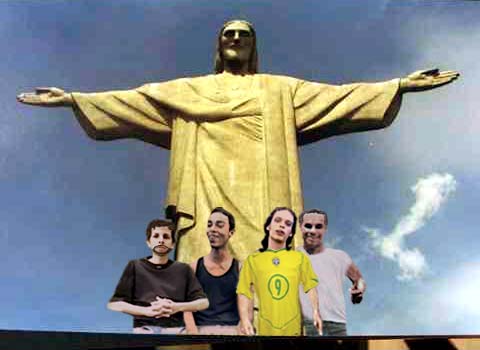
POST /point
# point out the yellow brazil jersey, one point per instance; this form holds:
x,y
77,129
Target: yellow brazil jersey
x,y
276,276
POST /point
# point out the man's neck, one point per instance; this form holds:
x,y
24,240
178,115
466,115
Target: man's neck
x,y
219,255
158,259
272,245
314,250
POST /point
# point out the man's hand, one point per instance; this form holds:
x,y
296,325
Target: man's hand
x,y
162,307
422,80
357,290
246,327
317,322
46,97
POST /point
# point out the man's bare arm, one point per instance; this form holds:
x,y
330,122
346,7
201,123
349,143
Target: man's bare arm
x,y
317,319
245,310
359,286
190,325
192,306
135,310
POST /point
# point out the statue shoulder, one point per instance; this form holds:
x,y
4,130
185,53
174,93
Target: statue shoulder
x,y
281,80
177,84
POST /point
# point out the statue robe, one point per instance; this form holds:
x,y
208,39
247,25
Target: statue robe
x,y
235,149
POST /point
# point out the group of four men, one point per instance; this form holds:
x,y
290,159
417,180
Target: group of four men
x,y
215,294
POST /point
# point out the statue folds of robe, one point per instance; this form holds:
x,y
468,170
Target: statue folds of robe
x,y
234,149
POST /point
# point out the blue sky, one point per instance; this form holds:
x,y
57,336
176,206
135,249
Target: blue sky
x,y
401,201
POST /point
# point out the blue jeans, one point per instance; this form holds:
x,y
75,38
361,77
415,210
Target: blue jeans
x,y
330,329
158,330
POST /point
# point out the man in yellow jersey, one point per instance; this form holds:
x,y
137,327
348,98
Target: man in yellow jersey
x,y
275,272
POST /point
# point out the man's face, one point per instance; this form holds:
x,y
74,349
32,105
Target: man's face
x,y
160,241
218,230
281,226
313,229
237,42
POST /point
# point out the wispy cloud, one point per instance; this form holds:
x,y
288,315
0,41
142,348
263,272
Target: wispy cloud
x,y
431,193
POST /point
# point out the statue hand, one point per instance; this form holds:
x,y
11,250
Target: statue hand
x,y
422,80
46,97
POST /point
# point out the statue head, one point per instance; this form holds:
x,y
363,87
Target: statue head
x,y
252,65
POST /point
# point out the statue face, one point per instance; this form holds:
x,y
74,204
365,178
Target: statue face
x,y
237,42
313,229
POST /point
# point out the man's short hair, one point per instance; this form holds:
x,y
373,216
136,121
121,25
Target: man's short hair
x,y
267,223
160,223
231,218
313,211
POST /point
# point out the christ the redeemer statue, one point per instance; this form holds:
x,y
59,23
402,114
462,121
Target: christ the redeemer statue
x,y
234,135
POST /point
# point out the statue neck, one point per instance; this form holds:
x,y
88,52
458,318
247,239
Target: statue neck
x,y
235,67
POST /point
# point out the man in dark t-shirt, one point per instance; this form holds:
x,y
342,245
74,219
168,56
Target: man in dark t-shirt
x,y
155,290
218,274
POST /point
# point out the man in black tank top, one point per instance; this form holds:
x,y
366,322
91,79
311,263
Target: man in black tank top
x,y
218,273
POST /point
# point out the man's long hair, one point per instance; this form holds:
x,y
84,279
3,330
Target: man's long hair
x,y
252,61
269,221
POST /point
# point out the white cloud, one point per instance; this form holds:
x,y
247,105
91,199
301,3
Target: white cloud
x,y
431,193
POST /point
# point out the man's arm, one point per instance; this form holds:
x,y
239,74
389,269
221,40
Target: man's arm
x,y
245,311
160,310
317,319
190,325
192,306
359,286
251,307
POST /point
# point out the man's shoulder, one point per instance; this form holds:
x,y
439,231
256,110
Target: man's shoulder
x,y
138,261
296,252
327,252
338,252
180,265
294,256
254,255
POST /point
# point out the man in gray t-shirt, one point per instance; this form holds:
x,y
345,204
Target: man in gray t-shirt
x,y
331,267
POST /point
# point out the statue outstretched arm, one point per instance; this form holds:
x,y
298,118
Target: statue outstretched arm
x,y
423,80
109,115
47,97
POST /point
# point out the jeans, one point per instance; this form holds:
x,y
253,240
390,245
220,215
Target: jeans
x,y
330,329
158,330
218,330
